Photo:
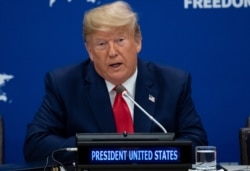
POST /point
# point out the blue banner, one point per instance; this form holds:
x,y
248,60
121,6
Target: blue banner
x,y
208,38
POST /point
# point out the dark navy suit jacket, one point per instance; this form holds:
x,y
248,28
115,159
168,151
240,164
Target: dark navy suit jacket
x,y
248,147
77,100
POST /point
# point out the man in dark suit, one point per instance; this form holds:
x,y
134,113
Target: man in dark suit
x,y
80,98
248,147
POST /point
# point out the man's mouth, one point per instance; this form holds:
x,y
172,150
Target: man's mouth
x,y
116,65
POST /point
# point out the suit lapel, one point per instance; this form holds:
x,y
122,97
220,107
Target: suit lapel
x,y
99,101
146,95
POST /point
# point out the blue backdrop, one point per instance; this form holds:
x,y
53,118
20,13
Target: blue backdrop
x,y
210,39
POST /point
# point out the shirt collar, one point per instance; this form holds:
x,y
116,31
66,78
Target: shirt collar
x,y
129,84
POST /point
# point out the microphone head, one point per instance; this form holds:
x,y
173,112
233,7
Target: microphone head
x,y
120,89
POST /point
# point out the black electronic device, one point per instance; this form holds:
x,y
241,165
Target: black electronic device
x,y
128,152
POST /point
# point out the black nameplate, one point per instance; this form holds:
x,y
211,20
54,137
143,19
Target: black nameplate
x,y
132,152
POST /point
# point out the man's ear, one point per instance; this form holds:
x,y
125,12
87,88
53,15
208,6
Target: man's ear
x,y
139,44
88,48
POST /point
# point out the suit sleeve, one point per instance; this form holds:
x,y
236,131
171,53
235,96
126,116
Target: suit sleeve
x,y
47,130
248,146
189,122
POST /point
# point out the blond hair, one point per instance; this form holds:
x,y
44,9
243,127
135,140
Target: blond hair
x,y
109,16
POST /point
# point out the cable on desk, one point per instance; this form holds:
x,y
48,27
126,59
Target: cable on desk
x,y
73,149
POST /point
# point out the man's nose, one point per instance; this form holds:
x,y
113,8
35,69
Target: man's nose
x,y
112,49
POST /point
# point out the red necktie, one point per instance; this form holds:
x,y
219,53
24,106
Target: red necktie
x,y
122,115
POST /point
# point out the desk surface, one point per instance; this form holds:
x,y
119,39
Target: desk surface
x,y
40,166
237,167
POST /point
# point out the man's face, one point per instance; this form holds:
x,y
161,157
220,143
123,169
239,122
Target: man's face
x,y
114,53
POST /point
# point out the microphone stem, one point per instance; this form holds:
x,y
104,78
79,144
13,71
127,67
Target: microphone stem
x,y
144,111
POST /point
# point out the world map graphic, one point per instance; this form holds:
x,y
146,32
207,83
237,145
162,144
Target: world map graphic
x,y
51,2
3,79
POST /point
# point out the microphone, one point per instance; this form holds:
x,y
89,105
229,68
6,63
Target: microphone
x,y
71,149
121,90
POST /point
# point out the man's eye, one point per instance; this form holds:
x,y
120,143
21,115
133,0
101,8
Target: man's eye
x,y
101,45
120,41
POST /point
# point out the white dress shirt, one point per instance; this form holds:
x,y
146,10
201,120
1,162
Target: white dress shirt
x,y
130,87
